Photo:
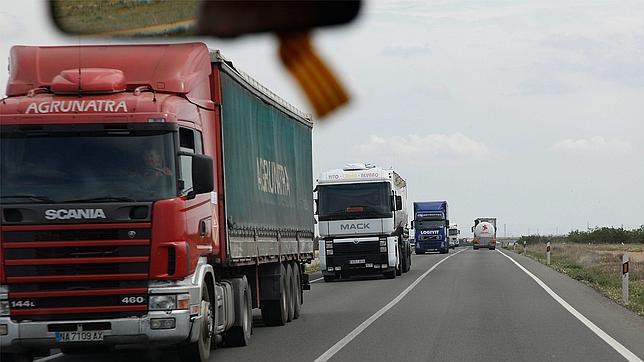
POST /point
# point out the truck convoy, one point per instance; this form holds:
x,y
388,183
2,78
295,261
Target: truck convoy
x,y
362,222
150,194
484,233
454,232
431,223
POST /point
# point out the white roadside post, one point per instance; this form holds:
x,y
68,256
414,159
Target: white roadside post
x,y
525,247
625,278
548,253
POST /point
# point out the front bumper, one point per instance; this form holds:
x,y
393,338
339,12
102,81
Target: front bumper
x,y
431,245
25,336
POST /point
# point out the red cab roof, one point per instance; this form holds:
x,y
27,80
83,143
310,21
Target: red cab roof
x,y
173,68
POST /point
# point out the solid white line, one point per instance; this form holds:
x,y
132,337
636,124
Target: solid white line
x,y
53,356
359,329
630,356
316,280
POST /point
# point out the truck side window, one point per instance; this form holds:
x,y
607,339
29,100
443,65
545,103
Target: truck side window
x,y
186,144
198,143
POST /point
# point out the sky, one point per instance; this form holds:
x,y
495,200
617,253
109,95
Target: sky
x,y
530,111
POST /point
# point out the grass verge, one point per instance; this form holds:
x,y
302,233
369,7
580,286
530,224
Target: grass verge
x,y
598,266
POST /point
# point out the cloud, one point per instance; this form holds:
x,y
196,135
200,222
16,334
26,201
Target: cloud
x,y
543,86
406,51
455,144
596,144
10,26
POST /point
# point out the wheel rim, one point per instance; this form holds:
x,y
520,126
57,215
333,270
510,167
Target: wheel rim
x,y
209,322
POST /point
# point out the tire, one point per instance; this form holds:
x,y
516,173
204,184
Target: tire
x,y
290,291
328,278
475,247
390,275
275,312
297,291
493,248
200,350
404,263
16,357
238,336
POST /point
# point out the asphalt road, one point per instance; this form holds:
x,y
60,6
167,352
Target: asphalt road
x,y
467,305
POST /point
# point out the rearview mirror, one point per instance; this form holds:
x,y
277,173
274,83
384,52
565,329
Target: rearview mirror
x,y
222,18
202,174
399,204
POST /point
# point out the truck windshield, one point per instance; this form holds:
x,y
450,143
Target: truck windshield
x,y
453,232
430,224
354,201
62,167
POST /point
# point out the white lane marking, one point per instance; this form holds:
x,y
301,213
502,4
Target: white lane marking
x,y
316,280
359,329
630,356
53,356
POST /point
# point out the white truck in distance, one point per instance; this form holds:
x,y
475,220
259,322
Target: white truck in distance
x,y
362,222
453,233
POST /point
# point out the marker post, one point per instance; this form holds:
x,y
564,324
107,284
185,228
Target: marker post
x,y
625,278
548,253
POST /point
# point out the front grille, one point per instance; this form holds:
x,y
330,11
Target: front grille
x,y
431,237
363,247
58,274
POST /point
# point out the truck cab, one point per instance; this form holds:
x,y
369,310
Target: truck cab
x,y
431,225
453,233
362,222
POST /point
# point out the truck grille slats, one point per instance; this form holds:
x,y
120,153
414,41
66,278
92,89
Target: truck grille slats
x,y
363,247
85,271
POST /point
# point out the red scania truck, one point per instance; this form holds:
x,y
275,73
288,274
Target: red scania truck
x,y
150,195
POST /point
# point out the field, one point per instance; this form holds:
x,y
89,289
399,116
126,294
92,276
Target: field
x,y
125,17
597,265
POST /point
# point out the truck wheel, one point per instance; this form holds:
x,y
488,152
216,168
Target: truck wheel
x,y
275,312
390,274
290,298
493,248
328,278
200,350
297,290
16,357
239,336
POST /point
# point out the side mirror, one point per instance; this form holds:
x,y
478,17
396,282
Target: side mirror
x,y
399,204
202,174
447,223
317,206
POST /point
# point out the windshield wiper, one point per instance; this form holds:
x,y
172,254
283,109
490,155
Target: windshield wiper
x,y
102,199
35,198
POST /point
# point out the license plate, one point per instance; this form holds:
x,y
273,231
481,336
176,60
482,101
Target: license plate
x,y
79,336
356,261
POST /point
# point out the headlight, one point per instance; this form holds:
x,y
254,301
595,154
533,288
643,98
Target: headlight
x,y
383,241
329,251
383,249
163,302
4,307
329,244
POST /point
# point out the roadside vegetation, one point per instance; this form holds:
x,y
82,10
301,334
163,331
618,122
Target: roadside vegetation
x,y
595,258
315,264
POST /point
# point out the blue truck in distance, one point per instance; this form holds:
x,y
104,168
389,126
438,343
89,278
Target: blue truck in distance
x,y
431,223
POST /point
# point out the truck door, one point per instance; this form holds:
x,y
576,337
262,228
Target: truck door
x,y
199,210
